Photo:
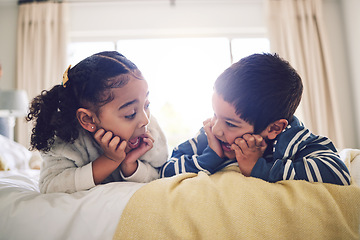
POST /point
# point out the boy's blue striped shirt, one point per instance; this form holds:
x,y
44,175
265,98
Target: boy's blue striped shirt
x,y
296,154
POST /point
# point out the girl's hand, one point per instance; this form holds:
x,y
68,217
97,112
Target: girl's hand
x,y
129,165
213,142
248,149
113,147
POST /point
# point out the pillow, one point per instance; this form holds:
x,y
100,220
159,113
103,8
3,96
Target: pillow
x,y
13,155
351,158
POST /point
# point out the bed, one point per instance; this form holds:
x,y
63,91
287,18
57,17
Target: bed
x,y
225,205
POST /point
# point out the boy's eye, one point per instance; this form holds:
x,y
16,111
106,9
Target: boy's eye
x,y
147,105
131,116
230,124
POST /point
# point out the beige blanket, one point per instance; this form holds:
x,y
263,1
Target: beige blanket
x,y
228,205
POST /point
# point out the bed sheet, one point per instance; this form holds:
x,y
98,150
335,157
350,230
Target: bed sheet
x,y
92,214
27,214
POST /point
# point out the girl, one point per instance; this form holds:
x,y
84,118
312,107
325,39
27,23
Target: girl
x,y
94,127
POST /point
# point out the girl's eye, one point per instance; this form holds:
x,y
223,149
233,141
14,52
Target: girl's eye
x,y
230,124
132,116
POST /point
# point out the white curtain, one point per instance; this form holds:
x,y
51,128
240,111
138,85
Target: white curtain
x,y
41,52
296,32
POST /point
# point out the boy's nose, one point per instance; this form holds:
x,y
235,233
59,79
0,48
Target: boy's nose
x,y
216,129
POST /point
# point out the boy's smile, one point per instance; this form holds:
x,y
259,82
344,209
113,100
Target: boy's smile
x,y
225,146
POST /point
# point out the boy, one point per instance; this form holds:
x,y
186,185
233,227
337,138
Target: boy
x,y
254,126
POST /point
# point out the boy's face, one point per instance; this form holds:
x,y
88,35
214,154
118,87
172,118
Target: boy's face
x,y
227,125
127,115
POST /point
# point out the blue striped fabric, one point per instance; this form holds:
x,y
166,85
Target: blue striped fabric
x,y
296,154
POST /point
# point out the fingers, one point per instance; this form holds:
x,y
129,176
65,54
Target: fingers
x,y
149,142
206,121
212,140
103,136
248,149
107,140
148,135
122,146
249,143
114,142
235,147
207,127
240,143
254,141
99,134
211,137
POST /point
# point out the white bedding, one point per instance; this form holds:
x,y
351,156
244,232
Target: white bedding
x,y
93,214
27,214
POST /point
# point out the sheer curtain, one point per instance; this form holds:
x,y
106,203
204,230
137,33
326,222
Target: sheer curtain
x,y
296,32
41,52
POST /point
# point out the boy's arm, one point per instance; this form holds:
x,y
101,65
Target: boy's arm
x,y
194,156
315,161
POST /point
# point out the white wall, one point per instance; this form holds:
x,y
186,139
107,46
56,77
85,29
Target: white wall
x,y
334,20
159,19
196,18
352,36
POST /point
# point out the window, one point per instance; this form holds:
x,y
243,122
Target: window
x,y
77,51
180,73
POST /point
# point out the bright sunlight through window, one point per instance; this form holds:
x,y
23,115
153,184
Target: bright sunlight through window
x,y
180,74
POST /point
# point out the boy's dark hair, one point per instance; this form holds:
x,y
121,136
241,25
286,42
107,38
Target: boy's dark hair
x,y
89,85
263,88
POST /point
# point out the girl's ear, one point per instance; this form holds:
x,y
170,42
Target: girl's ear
x,y
86,119
276,128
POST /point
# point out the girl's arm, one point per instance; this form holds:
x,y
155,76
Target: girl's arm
x,y
68,167
130,168
102,167
148,164
61,174
130,164
114,155
143,174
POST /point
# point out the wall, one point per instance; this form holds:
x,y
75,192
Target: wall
x,y
8,24
344,79
159,19
197,18
350,11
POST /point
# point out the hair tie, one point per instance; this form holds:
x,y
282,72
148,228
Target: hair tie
x,y
65,77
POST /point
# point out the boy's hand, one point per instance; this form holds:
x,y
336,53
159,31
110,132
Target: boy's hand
x,y
213,142
129,165
113,147
248,149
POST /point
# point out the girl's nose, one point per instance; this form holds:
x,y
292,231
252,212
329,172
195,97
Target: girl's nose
x,y
144,121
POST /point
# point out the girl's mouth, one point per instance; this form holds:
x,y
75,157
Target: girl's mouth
x,y
225,146
134,142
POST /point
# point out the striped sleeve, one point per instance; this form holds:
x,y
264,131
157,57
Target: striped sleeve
x,y
306,157
194,156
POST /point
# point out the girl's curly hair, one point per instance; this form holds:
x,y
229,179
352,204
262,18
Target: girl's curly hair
x,y
89,85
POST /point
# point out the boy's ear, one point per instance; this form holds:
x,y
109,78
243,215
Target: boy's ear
x,y
86,120
276,128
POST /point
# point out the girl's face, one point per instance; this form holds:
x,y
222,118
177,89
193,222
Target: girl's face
x,y
227,125
127,115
